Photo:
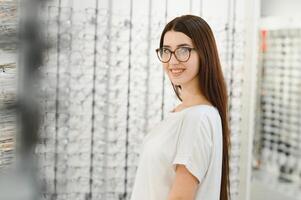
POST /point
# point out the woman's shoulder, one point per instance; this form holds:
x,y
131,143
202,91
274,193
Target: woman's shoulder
x,y
202,114
201,111
196,114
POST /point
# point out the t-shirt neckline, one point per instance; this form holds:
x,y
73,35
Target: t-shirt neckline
x,y
190,107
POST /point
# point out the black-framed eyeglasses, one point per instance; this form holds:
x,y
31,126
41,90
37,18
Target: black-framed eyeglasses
x,y
182,54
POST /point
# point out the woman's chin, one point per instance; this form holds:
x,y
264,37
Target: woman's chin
x,y
175,82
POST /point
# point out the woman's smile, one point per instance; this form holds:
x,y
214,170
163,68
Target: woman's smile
x,y
176,72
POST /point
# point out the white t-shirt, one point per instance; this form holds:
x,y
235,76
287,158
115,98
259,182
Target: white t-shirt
x,y
193,137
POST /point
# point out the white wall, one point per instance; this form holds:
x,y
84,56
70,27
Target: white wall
x,y
280,8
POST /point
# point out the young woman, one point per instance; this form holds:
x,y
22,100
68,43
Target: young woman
x,y
185,156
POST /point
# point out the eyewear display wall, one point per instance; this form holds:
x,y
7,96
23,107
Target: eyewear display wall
x,y
103,88
8,81
280,105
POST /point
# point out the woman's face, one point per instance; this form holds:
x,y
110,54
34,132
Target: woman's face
x,y
180,73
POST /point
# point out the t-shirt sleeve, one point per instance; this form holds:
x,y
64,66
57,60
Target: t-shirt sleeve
x,y
194,145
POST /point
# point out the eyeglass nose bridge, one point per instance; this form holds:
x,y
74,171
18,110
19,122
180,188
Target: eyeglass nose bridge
x,y
174,53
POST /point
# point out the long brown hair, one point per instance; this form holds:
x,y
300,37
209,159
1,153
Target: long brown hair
x,y
211,79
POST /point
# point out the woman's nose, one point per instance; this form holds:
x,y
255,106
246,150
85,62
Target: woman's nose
x,y
173,59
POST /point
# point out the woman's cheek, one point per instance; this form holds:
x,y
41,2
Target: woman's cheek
x,y
165,67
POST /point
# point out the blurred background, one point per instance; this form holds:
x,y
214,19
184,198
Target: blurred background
x,y
80,86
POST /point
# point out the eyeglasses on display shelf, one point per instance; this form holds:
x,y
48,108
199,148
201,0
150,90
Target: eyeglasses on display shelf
x,y
95,116
8,82
8,26
280,127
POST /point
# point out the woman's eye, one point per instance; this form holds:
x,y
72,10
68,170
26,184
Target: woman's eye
x,y
166,51
183,50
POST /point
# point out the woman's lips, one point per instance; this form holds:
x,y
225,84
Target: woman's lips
x,y
176,72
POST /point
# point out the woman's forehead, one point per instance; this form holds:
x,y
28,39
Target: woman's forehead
x,y
175,39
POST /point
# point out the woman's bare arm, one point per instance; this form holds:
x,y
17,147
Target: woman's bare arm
x,y
184,186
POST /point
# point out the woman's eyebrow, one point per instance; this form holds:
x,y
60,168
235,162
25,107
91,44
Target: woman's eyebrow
x,y
180,45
